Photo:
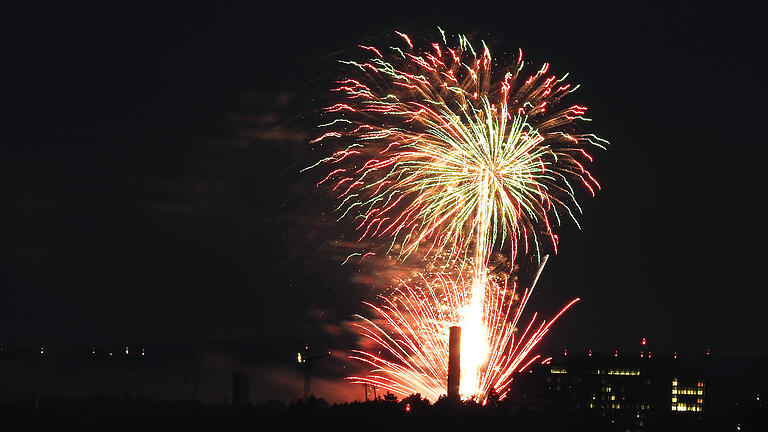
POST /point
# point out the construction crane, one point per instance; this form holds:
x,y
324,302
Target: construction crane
x,y
306,360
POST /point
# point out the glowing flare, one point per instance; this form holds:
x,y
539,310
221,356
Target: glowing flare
x,y
409,337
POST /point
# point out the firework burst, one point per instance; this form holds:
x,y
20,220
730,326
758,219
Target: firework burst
x,y
437,149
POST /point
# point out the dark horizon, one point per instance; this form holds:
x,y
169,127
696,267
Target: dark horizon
x,y
202,371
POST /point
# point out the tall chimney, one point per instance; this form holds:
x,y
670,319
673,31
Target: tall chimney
x,y
454,362
240,386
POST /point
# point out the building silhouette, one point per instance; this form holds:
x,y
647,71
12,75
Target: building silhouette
x,y
240,387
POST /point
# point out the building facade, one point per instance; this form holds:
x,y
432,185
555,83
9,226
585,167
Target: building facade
x,y
630,391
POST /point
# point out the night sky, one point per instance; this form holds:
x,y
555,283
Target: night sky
x,y
151,190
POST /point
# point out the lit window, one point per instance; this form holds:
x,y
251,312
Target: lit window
x,y
623,372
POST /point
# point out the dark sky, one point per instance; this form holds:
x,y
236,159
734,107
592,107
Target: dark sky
x,y
151,190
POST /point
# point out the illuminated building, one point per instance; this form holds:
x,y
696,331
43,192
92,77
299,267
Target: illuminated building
x,y
687,396
628,390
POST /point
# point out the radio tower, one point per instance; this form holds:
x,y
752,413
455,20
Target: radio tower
x,y
306,359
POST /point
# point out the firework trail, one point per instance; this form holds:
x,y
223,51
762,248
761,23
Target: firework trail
x,y
410,337
437,151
